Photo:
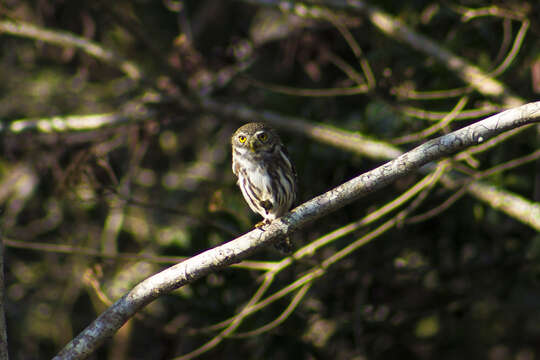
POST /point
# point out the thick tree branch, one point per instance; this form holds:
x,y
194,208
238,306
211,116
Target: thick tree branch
x,y
234,251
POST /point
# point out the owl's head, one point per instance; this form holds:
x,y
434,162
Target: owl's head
x,y
257,138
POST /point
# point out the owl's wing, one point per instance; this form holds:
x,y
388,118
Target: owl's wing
x,y
285,155
234,166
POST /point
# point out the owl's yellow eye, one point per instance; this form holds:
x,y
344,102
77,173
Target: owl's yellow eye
x,y
242,139
263,137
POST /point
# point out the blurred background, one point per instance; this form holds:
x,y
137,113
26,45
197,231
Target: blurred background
x,y
116,120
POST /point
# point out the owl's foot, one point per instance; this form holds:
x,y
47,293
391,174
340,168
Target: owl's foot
x,y
284,245
261,224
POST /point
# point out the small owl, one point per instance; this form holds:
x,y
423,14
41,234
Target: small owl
x,y
265,173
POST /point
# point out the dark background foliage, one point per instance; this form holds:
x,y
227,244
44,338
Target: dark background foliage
x,y
463,283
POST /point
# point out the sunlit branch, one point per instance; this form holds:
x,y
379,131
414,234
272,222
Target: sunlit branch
x,y
509,203
364,64
282,317
73,123
518,41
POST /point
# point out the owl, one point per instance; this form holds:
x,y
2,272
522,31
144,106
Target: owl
x,y
266,175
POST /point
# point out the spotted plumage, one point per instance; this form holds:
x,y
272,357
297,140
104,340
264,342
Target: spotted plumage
x,y
265,173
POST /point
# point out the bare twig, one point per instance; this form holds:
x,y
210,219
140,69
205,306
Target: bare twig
x,y
234,324
282,317
518,41
438,115
434,128
438,209
353,44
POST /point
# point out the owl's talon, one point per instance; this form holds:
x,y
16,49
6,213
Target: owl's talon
x,y
261,224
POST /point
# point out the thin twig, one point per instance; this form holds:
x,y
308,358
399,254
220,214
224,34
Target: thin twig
x,y
295,301
438,115
436,127
234,324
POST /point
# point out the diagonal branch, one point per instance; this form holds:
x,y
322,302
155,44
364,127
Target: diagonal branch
x,y
236,250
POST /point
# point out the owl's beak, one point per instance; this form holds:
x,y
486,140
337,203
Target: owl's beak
x,y
253,145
